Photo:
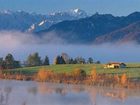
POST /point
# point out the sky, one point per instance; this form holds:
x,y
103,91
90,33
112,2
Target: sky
x,y
115,7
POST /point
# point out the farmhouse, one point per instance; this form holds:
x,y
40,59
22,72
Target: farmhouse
x,y
113,65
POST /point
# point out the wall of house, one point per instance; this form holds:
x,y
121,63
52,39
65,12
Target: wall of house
x,y
122,66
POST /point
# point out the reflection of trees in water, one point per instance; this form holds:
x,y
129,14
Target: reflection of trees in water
x,y
45,88
92,94
117,94
24,103
77,89
61,89
32,90
4,95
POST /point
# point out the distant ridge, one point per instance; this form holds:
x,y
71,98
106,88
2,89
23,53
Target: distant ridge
x,y
32,22
99,28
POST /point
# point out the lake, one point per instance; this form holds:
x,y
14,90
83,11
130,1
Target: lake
x,y
34,93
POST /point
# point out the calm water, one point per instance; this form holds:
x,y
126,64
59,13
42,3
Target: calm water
x,y
33,93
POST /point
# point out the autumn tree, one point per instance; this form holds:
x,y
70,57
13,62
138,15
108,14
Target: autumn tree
x,y
123,79
44,75
93,74
66,58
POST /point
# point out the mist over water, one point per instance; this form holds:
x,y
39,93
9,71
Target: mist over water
x,y
21,45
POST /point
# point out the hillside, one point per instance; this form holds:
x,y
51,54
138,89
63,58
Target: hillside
x,y
127,34
87,30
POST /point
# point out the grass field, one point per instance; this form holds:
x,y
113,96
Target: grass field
x,y
132,70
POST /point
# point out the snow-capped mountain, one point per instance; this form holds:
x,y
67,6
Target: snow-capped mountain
x,y
18,20
56,17
32,22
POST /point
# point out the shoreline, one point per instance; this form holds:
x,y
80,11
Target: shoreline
x,y
86,82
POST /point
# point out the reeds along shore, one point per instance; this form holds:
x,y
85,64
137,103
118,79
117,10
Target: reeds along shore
x,y
77,76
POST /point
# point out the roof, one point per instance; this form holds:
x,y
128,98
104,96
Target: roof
x,y
118,63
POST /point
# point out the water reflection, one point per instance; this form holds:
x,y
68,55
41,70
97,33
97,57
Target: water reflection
x,y
47,88
4,95
32,93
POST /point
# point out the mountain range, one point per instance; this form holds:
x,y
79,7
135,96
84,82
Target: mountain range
x,y
98,28
75,26
32,22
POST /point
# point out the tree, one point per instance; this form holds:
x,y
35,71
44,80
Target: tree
x,y
123,79
98,62
62,61
59,60
71,61
79,73
56,60
90,60
93,74
17,64
2,64
80,60
46,61
1,61
9,62
34,60
66,58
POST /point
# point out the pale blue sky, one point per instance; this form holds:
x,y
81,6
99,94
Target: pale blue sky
x,y
116,7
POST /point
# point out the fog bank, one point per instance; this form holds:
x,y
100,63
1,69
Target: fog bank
x,y
21,45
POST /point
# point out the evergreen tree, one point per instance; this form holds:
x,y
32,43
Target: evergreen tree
x,y
9,61
71,61
46,61
34,60
80,60
2,64
90,60
59,60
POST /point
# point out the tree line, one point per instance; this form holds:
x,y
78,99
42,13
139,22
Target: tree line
x,y
34,59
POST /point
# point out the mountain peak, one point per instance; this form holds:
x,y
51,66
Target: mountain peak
x,y
134,14
6,11
77,10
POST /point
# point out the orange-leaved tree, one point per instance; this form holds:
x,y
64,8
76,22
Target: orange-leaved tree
x,y
93,74
123,79
44,75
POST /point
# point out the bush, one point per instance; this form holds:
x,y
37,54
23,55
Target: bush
x,y
44,75
79,73
93,74
123,79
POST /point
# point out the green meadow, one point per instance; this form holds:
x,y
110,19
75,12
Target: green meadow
x,y
132,70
